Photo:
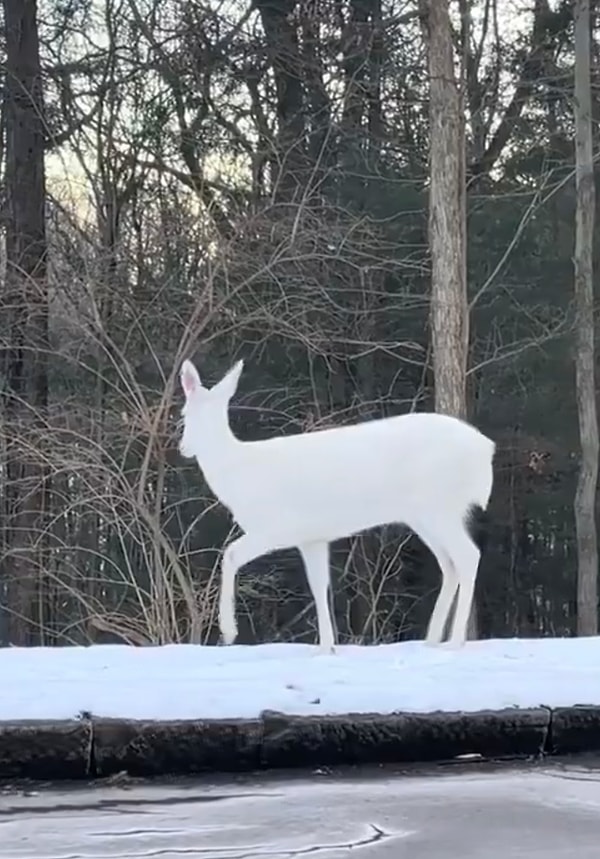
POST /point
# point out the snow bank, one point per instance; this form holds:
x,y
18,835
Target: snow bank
x,y
191,682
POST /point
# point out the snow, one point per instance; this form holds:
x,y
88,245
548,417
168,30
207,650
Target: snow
x,y
193,681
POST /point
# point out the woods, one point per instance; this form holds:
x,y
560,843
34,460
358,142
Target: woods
x,y
381,205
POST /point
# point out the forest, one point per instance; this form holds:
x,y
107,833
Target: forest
x,y
381,206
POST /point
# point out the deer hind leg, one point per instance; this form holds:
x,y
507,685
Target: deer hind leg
x,y
466,557
316,564
236,555
450,584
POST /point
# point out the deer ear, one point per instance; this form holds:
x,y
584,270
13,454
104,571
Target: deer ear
x,y
228,384
190,380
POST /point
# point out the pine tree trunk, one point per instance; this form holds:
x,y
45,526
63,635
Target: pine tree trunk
x,y
447,222
585,497
25,326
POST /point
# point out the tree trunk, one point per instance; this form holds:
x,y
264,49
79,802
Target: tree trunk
x,y
585,497
447,221
25,321
277,17
449,316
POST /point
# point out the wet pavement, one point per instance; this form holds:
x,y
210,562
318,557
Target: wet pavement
x,y
542,810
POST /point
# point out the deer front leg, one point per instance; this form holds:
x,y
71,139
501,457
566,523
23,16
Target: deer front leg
x,y
316,563
243,550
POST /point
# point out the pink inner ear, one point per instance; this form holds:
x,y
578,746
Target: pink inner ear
x,y
188,381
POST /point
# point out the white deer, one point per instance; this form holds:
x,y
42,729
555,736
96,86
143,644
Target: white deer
x,y
428,471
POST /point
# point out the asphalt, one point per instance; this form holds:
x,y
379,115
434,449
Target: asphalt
x,y
542,810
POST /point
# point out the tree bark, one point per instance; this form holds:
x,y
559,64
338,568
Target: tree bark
x,y
277,17
447,221
449,310
25,321
585,497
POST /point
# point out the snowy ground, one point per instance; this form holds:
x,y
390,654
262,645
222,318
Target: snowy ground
x,y
187,682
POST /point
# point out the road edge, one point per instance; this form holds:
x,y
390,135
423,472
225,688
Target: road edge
x,y
91,746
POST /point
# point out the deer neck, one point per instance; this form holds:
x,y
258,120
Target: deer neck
x,y
217,451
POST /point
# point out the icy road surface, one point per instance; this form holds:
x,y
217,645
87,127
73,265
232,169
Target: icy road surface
x,y
534,811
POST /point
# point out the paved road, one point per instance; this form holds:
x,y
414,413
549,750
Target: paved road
x,y
551,812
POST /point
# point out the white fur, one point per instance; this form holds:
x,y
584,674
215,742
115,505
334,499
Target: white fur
x,y
424,470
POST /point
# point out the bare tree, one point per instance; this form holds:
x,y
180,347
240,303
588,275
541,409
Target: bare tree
x,y
25,313
449,319
283,51
447,220
585,497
